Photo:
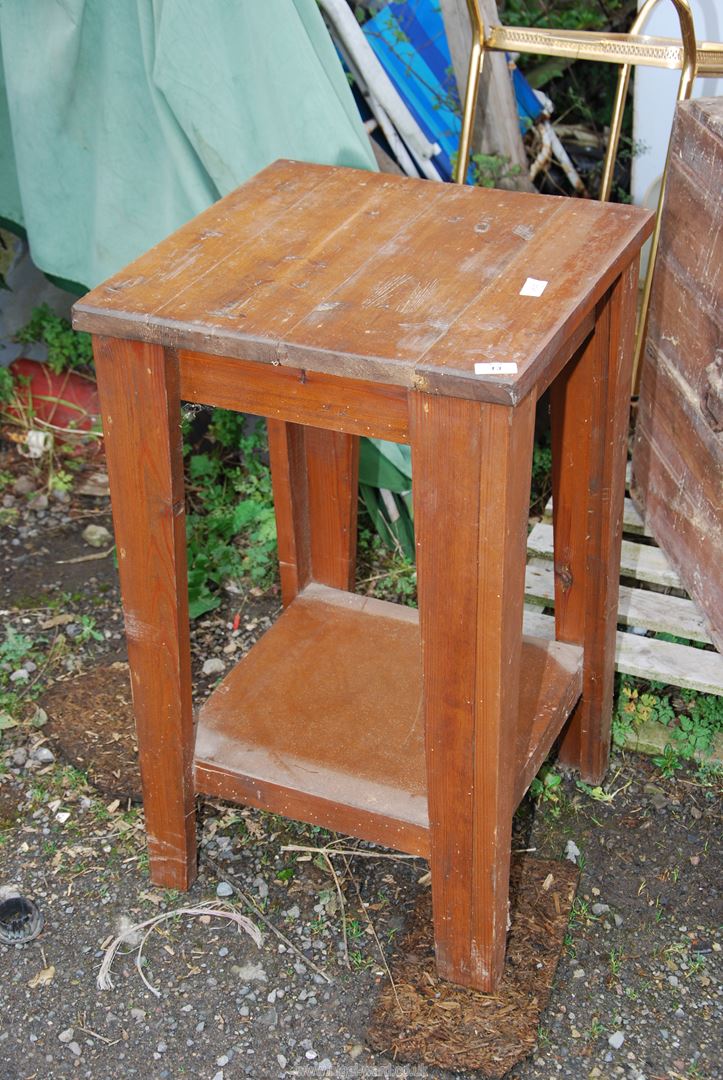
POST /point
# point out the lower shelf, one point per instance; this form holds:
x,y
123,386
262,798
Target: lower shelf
x,y
322,720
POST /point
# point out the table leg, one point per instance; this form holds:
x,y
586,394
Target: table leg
x,y
315,476
589,414
139,394
471,529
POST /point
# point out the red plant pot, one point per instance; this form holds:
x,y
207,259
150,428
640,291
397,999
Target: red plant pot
x,y
64,403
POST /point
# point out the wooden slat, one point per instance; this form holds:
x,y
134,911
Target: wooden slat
x,y
632,520
636,607
648,658
287,456
643,562
376,410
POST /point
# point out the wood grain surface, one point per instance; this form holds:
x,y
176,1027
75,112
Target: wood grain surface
x,y
375,277
470,563
589,413
139,395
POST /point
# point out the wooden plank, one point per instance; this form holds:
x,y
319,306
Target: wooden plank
x,y
322,721
376,410
589,409
655,611
138,387
639,561
648,658
632,519
471,584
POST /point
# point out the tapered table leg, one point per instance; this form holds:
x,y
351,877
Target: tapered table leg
x,y
589,413
140,404
472,465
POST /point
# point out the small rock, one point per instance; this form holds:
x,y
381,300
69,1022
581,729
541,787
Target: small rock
x,y
600,909
618,920
223,889
281,1060
578,973
21,675
23,485
270,1018
223,1060
138,1015
8,501
213,666
572,851
20,756
67,1035
673,980
324,1065
74,1049
43,754
356,1050
38,502
657,796
616,1040
97,536
219,1075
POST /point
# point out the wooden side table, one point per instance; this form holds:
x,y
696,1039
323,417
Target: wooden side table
x,y
339,303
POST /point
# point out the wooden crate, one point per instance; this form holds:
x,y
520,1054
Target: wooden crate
x,y
651,598
678,450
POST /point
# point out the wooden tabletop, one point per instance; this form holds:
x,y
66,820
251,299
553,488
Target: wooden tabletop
x,y
376,277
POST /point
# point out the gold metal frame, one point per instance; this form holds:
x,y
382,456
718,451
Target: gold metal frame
x,y
686,55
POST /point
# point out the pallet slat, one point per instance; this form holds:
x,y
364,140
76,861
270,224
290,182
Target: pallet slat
x,y
636,607
632,521
648,658
639,561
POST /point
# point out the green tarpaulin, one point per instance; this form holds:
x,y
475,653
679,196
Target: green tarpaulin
x,y
121,119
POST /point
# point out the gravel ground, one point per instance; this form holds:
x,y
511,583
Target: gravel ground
x,y
637,993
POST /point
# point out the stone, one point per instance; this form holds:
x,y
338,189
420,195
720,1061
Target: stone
x,y
223,889
20,756
616,1040
67,1035
75,1049
97,536
213,666
38,502
23,485
43,754
572,851
600,909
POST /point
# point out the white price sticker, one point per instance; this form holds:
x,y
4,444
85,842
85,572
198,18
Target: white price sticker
x,y
500,368
533,287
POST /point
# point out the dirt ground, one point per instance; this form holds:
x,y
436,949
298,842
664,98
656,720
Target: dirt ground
x,y
638,988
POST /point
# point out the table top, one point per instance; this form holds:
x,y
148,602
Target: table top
x,y
378,277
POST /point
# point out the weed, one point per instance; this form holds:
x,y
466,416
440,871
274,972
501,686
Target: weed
x,y
359,961
595,1030
545,786
67,348
668,762
615,961
354,929
231,526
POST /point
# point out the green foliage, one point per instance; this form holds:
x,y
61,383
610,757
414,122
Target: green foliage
x,y
560,14
67,348
7,385
14,649
231,527
693,720
546,786
489,170
541,474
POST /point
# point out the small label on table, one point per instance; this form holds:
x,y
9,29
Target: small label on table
x,y
499,368
533,287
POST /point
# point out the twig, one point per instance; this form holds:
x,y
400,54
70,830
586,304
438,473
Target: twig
x,y
375,936
347,851
333,873
228,877
85,558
